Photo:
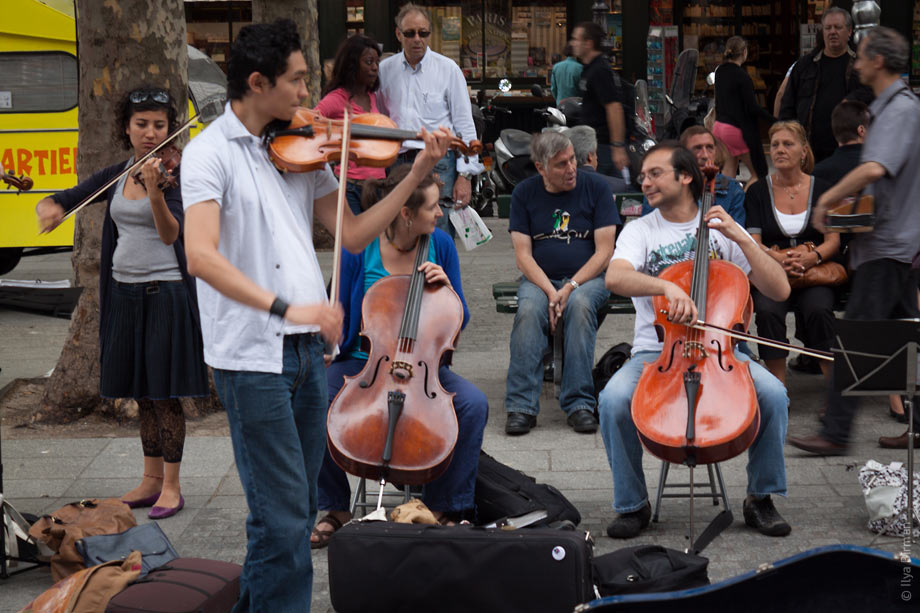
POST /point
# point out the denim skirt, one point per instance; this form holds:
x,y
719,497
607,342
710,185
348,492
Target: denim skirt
x,y
151,347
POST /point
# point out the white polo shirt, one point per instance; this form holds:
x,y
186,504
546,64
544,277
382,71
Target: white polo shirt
x,y
266,231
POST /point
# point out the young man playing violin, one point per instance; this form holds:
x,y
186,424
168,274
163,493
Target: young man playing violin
x,y
264,311
672,182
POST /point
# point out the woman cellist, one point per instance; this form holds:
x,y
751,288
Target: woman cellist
x,y
672,183
394,253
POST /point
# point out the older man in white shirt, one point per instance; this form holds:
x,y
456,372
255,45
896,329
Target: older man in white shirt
x,y
422,88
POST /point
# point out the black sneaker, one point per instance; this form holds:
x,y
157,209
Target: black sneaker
x,y
629,525
761,515
519,423
582,420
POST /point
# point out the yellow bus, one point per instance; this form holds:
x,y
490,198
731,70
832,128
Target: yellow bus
x,y
38,116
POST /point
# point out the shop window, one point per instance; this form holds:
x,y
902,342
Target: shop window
x,y
211,26
38,82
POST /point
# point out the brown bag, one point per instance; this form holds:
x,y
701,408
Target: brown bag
x,y
63,528
88,590
827,273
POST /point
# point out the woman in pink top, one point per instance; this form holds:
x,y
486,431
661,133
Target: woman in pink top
x,y
354,82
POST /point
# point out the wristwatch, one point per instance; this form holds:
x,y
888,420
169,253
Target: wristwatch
x,y
466,175
573,283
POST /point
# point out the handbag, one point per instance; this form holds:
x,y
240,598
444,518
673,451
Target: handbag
x,y
827,273
148,539
648,568
885,490
63,528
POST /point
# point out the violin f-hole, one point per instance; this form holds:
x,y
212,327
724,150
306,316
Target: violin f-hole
x,y
427,393
365,384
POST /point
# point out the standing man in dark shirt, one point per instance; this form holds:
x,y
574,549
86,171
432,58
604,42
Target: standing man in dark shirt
x,y
820,80
601,98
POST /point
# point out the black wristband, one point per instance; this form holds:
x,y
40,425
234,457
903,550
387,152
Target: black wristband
x,y
617,143
279,307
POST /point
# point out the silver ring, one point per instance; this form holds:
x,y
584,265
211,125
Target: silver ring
x,y
552,304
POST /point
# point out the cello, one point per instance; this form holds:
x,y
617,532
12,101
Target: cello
x,y
696,404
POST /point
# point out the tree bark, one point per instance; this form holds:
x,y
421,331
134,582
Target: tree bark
x,y
121,45
304,14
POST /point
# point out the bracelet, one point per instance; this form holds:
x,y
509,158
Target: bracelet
x,y
279,307
573,283
820,257
617,143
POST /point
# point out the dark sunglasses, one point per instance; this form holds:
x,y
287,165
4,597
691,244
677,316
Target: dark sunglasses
x,y
157,95
412,33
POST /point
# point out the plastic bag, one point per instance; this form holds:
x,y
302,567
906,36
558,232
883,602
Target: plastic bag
x,y
470,227
885,490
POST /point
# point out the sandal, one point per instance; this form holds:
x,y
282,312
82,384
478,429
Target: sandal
x,y
323,536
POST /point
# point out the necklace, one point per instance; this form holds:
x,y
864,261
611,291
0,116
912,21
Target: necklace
x,y
792,191
386,233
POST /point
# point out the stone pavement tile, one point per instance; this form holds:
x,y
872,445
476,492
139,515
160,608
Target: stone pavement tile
x,y
226,502
527,461
59,448
592,479
15,489
101,487
42,467
577,459
230,485
123,457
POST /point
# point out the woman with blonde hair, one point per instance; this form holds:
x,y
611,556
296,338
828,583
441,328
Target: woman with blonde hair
x,y
737,112
779,212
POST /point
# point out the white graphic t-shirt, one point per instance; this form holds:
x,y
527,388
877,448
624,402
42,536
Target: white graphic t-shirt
x,y
651,244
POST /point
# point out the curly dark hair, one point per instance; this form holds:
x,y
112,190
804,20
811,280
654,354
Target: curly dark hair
x,y
262,48
346,67
376,190
127,109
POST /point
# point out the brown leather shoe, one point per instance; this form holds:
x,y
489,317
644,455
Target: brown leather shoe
x,y
898,442
817,444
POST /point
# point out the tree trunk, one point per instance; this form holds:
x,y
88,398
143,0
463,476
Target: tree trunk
x,y
120,45
304,14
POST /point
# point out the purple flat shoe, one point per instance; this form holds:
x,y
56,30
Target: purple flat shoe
x,y
164,512
143,502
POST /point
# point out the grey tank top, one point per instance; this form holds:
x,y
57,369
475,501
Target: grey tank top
x,y
140,255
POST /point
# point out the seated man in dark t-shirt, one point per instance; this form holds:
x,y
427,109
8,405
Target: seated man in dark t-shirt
x,y
563,224
849,122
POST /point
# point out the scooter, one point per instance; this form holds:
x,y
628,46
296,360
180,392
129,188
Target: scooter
x,y
683,109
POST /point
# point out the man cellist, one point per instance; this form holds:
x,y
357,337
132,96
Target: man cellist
x,y
673,184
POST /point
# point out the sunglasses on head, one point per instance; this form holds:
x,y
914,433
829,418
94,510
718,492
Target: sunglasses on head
x,y
412,33
157,95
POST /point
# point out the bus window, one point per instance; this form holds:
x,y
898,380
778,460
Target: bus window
x,y
37,82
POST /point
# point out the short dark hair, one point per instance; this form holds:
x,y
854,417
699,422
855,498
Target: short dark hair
x,y
410,7
263,48
594,33
127,109
891,45
683,161
347,60
846,119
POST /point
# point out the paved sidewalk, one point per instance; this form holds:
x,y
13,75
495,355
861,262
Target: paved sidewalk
x,y
824,506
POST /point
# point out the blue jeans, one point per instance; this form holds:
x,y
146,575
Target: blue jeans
x,y
278,429
528,340
766,467
353,193
452,491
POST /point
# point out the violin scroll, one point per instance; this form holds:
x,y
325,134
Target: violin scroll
x,y
22,183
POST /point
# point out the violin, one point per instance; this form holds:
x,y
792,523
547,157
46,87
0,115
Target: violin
x,y
852,215
696,404
169,159
22,183
311,141
394,421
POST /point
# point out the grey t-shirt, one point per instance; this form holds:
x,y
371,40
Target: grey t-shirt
x,y
893,140
140,255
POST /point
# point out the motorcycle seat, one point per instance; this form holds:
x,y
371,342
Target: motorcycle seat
x,y
517,141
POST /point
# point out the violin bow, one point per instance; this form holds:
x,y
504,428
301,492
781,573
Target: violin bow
x,y
137,164
331,349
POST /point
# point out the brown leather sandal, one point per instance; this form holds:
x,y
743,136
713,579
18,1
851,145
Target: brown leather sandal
x,y
323,536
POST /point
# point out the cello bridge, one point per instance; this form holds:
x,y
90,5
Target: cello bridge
x,y
693,346
401,370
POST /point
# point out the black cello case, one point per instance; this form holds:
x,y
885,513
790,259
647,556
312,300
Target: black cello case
x,y
834,578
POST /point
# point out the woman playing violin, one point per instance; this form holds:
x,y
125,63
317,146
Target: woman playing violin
x,y
779,212
394,253
354,82
149,334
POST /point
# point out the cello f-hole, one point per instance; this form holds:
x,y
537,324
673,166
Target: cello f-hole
x,y
671,361
427,373
366,384
718,345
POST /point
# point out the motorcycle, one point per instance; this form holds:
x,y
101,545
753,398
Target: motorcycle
x,y
683,109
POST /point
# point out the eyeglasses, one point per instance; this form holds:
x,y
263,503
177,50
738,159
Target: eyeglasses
x,y
654,174
412,33
157,95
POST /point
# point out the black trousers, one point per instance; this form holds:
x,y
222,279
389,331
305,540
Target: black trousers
x,y
880,289
813,307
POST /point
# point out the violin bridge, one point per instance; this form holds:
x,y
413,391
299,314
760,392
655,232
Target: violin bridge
x,y
401,370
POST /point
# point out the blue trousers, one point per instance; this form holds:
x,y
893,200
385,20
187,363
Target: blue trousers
x,y
278,430
454,490
766,466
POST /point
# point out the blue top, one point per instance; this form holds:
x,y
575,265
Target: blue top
x,y
355,268
564,78
729,196
561,225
